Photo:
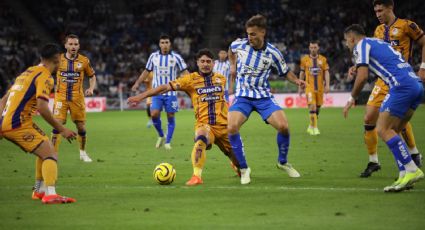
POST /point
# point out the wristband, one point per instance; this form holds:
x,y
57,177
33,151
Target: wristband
x,y
422,65
351,99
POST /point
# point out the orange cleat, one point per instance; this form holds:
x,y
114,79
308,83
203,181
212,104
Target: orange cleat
x,y
57,199
195,180
37,195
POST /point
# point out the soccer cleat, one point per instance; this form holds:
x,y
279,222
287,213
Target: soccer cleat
x,y
315,131
310,130
84,157
245,176
57,199
392,187
159,142
288,169
195,180
371,167
409,179
37,195
167,146
149,124
417,158
236,169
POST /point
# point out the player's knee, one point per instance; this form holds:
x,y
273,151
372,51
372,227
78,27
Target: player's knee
x,y
232,128
155,113
369,119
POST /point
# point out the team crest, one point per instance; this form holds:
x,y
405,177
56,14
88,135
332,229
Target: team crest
x,y
79,65
395,31
218,80
28,137
319,62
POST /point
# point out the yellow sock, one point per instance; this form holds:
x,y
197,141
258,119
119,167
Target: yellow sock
x,y
82,139
313,119
56,140
199,157
408,136
38,168
371,139
50,172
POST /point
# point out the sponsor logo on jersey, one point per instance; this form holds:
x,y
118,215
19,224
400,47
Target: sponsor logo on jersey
x,y
209,89
69,74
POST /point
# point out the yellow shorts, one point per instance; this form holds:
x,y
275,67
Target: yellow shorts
x,y
28,137
377,96
314,97
76,108
217,134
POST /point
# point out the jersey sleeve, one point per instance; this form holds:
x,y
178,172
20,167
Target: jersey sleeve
x,y
235,44
149,64
279,64
44,85
181,63
89,71
181,83
361,53
302,64
413,31
325,64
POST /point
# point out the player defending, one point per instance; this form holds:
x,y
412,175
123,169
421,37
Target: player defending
x,y
222,66
165,65
251,61
404,96
148,86
400,33
30,92
206,89
315,69
69,95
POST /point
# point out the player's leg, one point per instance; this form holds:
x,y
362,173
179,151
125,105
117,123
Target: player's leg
x,y
409,138
202,139
156,107
171,107
313,119
371,140
148,112
60,111
222,141
319,103
78,116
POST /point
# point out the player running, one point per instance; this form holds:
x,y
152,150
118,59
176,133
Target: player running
x,y
315,69
404,96
222,66
206,89
251,61
69,95
29,93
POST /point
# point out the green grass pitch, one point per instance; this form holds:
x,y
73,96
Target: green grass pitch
x,y
117,190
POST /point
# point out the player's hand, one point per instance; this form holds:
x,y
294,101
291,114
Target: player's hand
x,y
347,107
89,92
300,83
135,87
327,89
133,101
421,74
230,91
352,72
68,134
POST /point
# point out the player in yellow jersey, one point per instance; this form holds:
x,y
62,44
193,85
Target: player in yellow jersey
x,y
315,71
29,93
148,85
206,90
69,95
400,33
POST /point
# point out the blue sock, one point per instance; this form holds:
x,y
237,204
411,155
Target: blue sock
x,y
283,147
399,150
237,146
157,123
171,126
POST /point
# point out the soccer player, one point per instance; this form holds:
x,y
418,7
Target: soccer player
x,y
148,86
206,89
69,95
222,66
315,69
30,92
400,33
404,96
165,65
251,61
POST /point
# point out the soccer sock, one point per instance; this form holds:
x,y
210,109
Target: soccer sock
x,y
38,173
56,139
199,155
238,150
317,111
400,152
50,174
283,147
409,138
313,119
82,139
148,111
170,130
158,126
371,141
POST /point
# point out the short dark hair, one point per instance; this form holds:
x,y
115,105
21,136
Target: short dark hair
x,y
164,37
49,50
383,2
205,52
72,36
315,42
355,28
257,20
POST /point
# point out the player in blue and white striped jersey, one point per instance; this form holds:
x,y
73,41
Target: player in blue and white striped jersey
x,y
405,95
251,62
222,66
166,66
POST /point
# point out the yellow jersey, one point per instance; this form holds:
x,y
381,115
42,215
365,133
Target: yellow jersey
x,y
35,82
314,69
207,94
70,77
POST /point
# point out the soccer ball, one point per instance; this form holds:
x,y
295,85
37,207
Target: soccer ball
x,y
164,173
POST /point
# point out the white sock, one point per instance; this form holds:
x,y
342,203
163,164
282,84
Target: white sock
x,y
37,185
411,166
51,190
374,158
43,187
413,150
82,152
401,174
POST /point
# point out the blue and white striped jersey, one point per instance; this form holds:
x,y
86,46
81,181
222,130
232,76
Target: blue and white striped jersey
x,y
165,68
384,61
254,68
223,67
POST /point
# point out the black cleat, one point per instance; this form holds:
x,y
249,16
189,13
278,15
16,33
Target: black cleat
x,y
417,158
371,167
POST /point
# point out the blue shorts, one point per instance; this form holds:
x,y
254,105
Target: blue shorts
x,y
170,103
401,99
264,106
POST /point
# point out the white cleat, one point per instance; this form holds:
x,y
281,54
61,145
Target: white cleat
x,y
85,158
167,146
288,169
159,142
245,176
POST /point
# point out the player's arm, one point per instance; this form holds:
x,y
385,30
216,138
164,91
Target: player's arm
x,y
327,81
421,43
3,102
301,77
92,85
361,78
142,78
151,92
293,78
232,60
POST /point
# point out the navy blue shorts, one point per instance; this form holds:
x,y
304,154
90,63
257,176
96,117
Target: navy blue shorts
x,y
402,98
170,103
264,106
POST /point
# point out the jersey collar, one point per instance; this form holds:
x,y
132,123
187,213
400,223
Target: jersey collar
x,y
64,54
